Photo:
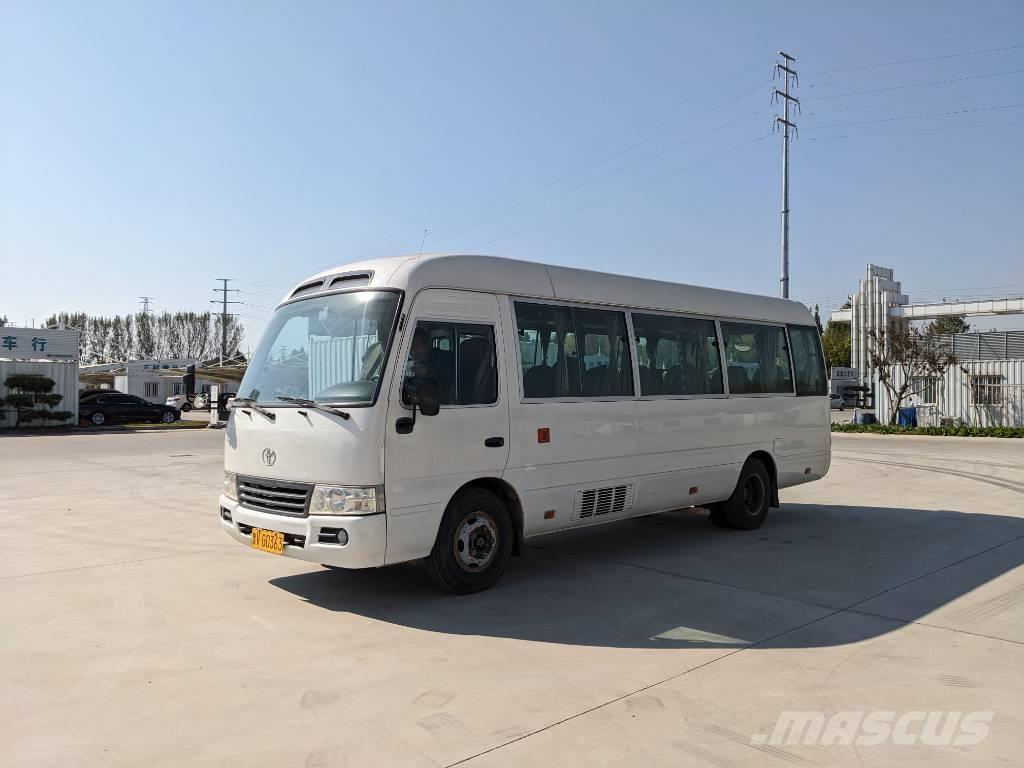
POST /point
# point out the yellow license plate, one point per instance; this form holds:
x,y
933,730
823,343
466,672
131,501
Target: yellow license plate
x,y
267,541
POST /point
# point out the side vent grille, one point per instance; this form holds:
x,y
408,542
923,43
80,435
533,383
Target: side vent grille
x,y
595,502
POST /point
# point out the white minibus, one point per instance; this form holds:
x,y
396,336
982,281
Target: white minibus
x,y
444,408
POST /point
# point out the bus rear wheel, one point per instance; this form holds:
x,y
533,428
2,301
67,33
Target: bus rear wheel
x,y
748,506
473,545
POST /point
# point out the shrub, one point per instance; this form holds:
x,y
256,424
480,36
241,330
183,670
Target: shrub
x,y
19,400
30,391
29,382
962,431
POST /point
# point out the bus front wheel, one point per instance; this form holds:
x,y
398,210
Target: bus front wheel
x,y
748,506
473,545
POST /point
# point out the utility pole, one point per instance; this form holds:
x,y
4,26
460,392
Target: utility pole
x,y
224,291
789,76
144,301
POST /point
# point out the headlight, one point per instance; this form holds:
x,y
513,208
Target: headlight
x,y
347,500
231,485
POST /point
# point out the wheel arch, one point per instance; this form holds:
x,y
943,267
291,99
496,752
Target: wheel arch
x,y
508,494
766,458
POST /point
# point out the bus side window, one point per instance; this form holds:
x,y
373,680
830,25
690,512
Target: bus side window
x,y
548,350
807,360
757,359
682,355
573,352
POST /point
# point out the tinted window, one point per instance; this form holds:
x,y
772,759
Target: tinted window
x,y
808,364
460,357
757,359
573,352
677,355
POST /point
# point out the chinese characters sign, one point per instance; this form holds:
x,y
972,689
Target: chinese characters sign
x,y
38,344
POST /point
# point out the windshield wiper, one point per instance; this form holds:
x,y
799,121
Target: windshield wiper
x,y
314,404
248,402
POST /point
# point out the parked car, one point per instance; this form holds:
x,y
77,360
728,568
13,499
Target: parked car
x,y
118,406
836,401
181,402
89,394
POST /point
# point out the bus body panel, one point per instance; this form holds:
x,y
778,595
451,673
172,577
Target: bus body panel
x,y
308,445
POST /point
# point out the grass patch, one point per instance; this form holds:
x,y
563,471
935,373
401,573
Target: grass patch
x,y
885,429
180,424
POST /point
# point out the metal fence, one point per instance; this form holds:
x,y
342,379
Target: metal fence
x,y
995,345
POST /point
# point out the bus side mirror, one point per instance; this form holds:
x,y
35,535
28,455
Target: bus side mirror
x,y
421,394
429,397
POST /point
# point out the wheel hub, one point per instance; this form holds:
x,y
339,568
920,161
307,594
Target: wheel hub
x,y
476,540
753,495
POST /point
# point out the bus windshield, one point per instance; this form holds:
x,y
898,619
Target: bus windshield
x,y
330,349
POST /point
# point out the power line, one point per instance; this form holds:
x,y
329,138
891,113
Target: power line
x,y
915,85
144,301
606,175
542,187
915,61
918,130
626,191
918,117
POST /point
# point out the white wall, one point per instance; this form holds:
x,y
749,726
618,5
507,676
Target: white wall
x,y
135,384
65,376
955,397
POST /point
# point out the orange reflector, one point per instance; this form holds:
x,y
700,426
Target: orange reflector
x,y
543,435
807,470
693,489
549,515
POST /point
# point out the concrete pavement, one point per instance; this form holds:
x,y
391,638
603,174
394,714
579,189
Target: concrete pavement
x,y
136,633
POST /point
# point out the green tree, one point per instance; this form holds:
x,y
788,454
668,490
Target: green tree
x,y
947,324
835,342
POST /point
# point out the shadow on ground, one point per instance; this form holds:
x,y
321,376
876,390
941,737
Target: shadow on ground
x,y
674,581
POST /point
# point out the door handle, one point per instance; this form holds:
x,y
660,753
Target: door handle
x,y
494,442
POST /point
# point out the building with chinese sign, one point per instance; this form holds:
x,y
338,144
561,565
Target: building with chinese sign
x,y
52,353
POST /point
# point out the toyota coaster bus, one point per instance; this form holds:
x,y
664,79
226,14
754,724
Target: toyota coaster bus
x,y
444,408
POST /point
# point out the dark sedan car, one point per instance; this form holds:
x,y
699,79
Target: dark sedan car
x,y
120,407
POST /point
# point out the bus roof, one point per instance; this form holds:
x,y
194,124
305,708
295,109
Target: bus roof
x,y
495,274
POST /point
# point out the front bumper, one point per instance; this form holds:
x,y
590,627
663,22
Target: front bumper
x,y
367,535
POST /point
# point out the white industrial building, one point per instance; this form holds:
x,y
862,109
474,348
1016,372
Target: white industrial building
x,y
985,389
154,380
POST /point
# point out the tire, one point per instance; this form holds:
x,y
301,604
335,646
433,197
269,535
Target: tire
x,y
98,419
748,506
186,406
167,417
473,545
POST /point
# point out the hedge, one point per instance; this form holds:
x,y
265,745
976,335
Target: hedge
x,y
885,429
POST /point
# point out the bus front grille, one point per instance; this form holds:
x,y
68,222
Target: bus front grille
x,y
277,497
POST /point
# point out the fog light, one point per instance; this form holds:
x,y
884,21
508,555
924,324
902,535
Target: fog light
x,y
342,536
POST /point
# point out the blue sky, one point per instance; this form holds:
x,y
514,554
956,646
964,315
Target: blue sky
x,y
151,147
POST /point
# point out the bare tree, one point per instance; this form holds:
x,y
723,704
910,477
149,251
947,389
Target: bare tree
x,y
910,353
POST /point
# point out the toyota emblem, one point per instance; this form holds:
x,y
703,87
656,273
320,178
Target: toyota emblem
x,y
269,456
